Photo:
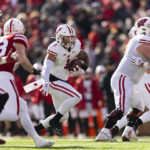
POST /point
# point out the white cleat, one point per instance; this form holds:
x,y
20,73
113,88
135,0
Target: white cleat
x,y
104,135
129,134
40,142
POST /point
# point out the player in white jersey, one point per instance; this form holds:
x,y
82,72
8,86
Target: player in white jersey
x,y
124,79
15,107
55,74
143,87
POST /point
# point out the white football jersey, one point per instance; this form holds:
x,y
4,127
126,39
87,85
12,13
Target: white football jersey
x,y
134,72
63,58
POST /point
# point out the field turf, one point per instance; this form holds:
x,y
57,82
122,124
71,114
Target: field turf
x,y
25,143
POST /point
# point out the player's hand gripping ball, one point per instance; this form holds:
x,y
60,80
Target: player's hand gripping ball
x,y
75,65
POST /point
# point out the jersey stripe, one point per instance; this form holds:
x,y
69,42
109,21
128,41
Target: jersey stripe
x,y
51,52
144,41
19,38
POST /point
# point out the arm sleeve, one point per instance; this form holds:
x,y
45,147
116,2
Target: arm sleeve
x,y
48,64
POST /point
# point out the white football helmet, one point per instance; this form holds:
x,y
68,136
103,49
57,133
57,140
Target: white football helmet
x,y
13,26
65,35
143,25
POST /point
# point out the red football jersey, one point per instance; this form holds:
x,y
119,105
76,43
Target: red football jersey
x,y
6,44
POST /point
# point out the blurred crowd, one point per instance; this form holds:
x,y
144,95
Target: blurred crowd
x,y
102,27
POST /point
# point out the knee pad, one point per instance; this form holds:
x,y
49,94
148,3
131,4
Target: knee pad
x,y
65,117
135,112
113,117
3,100
116,114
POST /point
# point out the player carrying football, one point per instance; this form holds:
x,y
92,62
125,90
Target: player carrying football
x,y
55,74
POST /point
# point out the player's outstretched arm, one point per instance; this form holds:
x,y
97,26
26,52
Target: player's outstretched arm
x,y
48,64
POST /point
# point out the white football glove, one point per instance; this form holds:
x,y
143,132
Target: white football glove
x,y
137,61
45,88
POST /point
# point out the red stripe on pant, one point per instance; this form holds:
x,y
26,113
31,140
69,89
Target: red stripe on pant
x,y
147,88
17,95
122,92
61,90
2,91
65,89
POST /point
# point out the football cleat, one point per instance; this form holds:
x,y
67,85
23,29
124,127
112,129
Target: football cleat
x,y
114,131
104,135
40,142
56,127
129,134
2,141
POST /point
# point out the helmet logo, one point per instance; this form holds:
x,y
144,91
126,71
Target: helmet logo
x,y
141,22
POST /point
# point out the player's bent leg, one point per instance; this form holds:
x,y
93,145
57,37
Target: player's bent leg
x,y
105,133
64,98
27,125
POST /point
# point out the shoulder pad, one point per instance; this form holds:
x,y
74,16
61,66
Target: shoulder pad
x,y
53,49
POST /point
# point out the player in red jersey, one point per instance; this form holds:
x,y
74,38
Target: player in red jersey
x,y
15,107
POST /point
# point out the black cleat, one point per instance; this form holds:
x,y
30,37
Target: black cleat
x,y
56,127
38,128
114,131
2,141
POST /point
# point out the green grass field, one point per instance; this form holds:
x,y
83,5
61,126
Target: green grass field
x,y
19,143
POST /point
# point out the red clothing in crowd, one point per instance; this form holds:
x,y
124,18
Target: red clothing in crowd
x,y
39,96
96,94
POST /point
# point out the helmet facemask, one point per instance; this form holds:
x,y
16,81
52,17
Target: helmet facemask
x,y
65,35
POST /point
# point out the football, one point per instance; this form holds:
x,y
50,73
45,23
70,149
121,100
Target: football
x,y
74,63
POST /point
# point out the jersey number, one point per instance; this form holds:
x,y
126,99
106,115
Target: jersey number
x,y
67,64
3,47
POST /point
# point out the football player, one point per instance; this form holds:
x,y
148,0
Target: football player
x,y
55,74
143,87
125,77
15,107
